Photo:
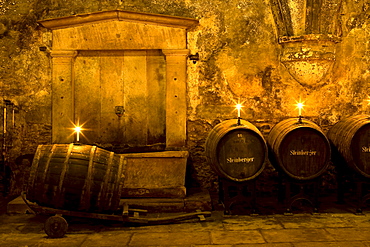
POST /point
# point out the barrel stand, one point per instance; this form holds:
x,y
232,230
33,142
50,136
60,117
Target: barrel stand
x,y
292,190
232,193
4,179
363,193
361,187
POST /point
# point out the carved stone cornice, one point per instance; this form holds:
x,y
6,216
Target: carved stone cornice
x,y
119,15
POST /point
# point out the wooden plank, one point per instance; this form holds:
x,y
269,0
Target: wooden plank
x,y
156,205
167,219
125,209
134,219
150,191
201,216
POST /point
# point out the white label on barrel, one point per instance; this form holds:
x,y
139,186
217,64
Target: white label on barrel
x,y
366,149
240,139
303,152
240,160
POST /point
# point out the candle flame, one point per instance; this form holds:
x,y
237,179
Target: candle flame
x,y
300,105
78,129
238,107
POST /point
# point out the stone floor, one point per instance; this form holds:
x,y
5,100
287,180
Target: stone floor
x,y
333,226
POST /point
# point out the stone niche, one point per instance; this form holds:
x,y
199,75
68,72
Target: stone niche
x,y
122,75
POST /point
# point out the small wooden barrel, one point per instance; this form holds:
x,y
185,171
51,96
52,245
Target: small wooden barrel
x,y
236,152
75,177
299,149
351,138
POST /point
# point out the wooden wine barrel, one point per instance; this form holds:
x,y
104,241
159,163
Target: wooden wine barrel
x,y
299,149
75,177
351,138
236,152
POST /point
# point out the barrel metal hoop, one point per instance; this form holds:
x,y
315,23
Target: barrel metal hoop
x,y
47,164
86,190
60,193
33,171
102,197
119,182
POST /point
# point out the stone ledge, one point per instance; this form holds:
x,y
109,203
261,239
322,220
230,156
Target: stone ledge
x,y
120,15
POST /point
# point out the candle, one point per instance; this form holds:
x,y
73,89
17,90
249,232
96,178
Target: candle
x,y
300,106
238,107
77,130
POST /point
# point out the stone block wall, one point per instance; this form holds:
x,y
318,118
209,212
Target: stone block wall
x,y
239,61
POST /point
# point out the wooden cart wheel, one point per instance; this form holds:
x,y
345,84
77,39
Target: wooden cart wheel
x,y
56,226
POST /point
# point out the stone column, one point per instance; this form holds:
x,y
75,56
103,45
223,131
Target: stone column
x,y
62,96
176,98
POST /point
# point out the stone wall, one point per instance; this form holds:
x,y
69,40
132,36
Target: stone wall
x,y
239,60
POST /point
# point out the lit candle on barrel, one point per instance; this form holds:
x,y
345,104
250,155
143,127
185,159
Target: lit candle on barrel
x,y
300,106
77,130
238,108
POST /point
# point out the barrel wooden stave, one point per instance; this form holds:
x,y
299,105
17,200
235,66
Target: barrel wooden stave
x,y
75,177
230,149
299,149
349,136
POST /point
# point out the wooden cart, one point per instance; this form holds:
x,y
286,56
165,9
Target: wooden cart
x,y
56,226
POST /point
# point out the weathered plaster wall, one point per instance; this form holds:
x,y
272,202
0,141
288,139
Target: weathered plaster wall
x,y
237,43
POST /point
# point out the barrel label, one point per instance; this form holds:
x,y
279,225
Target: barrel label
x,y
240,160
366,149
303,152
